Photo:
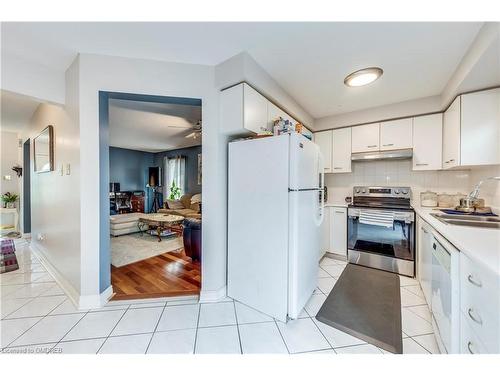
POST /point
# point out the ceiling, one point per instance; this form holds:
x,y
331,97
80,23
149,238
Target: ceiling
x,y
16,111
309,60
151,127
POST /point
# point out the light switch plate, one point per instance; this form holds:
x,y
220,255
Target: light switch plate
x,y
68,169
61,169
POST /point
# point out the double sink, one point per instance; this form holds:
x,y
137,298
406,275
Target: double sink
x,y
490,222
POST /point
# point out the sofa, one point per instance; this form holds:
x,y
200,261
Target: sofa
x,y
124,223
183,206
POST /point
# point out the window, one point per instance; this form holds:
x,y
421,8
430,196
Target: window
x,y
175,172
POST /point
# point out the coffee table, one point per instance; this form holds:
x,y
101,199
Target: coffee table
x,y
161,222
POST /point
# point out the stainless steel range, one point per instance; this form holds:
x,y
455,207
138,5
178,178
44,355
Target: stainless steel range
x,y
381,229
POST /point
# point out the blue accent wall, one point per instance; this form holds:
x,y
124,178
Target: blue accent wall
x,y
191,155
130,168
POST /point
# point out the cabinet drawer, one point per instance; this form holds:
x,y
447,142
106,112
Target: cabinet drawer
x,y
479,302
469,341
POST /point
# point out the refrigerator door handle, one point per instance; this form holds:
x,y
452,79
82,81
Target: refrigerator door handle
x,y
322,188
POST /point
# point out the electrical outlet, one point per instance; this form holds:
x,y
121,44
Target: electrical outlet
x,y
68,169
61,169
40,237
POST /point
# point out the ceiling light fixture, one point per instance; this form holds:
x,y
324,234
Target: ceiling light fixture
x,y
363,77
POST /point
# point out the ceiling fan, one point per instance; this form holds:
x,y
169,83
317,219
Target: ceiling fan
x,y
194,131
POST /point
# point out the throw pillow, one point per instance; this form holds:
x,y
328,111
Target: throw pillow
x,y
174,204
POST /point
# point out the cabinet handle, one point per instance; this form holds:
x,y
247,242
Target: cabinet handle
x,y
339,212
337,167
478,320
421,164
424,230
388,144
371,146
473,282
469,347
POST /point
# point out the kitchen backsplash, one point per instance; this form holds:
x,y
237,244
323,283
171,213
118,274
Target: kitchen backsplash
x,y
490,190
398,173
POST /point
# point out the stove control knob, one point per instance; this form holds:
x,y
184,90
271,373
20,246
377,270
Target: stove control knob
x,y
357,191
396,191
405,191
363,191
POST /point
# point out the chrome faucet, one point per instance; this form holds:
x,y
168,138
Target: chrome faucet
x,y
474,194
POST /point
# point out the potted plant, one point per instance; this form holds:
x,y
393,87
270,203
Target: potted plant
x,y
175,191
9,200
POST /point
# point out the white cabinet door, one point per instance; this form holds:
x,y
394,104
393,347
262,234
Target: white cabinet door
x,y
341,150
428,142
480,128
231,110
324,141
339,231
325,233
396,134
254,110
366,138
424,256
451,135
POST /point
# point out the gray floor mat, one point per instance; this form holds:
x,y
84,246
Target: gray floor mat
x,y
366,303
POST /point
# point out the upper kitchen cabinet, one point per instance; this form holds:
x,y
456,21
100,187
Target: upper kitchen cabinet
x,y
427,142
396,134
341,150
243,110
366,138
324,141
480,128
451,135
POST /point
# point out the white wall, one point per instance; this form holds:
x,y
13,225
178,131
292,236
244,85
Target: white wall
x,y
11,156
395,173
55,203
390,111
243,67
152,78
24,77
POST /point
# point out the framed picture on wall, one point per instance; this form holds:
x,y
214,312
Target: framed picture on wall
x,y
43,150
199,169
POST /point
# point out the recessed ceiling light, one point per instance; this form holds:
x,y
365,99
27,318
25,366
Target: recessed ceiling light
x,y
363,77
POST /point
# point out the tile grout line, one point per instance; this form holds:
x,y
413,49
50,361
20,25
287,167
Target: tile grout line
x,y
416,342
281,335
197,327
156,326
319,329
237,327
110,332
41,318
74,325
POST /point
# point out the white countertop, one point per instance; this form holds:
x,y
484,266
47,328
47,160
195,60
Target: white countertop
x,y
335,204
481,245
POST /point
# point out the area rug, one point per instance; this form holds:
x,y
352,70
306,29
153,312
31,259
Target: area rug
x,y
366,304
132,248
8,259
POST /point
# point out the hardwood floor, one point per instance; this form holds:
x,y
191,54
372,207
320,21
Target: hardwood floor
x,y
166,275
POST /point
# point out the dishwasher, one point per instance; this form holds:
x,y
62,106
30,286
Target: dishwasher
x,y
445,295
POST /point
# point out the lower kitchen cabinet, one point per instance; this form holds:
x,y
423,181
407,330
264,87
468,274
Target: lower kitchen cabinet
x,y
479,305
324,243
424,259
338,235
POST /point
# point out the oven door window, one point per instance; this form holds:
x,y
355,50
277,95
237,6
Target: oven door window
x,y
396,242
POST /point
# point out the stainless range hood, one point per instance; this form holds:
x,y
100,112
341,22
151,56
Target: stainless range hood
x,y
383,155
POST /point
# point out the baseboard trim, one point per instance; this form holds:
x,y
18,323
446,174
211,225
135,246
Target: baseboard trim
x,y
65,285
213,295
93,301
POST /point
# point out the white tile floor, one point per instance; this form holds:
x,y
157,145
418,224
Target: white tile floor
x,y
37,317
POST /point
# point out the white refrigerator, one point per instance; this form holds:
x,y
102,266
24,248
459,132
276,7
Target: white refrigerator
x,y
275,209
